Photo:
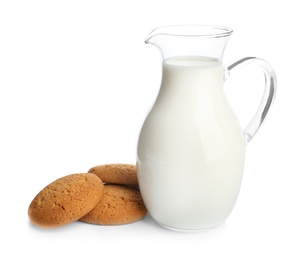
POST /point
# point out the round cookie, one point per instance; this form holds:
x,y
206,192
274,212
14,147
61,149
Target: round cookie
x,y
119,205
125,174
65,200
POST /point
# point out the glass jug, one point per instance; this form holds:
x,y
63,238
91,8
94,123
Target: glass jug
x,y
191,148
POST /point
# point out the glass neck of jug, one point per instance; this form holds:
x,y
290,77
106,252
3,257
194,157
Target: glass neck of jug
x,y
190,40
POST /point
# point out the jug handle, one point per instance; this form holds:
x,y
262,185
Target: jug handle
x,y
268,96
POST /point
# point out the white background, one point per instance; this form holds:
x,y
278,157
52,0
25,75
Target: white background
x,y
76,81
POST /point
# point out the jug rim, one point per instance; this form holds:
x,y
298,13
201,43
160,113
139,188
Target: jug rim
x,y
203,31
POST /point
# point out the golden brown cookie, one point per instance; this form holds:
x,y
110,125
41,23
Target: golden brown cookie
x,y
119,205
116,173
65,200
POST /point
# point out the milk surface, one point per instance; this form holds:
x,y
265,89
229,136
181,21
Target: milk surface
x,y
191,149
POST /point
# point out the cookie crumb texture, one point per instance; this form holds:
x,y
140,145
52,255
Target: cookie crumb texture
x,y
125,174
65,200
119,205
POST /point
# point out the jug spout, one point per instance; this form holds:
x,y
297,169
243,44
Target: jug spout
x,y
190,40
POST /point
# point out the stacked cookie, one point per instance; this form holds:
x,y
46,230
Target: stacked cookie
x,y
106,195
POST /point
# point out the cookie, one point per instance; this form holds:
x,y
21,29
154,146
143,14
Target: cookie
x,y
119,205
65,200
116,174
